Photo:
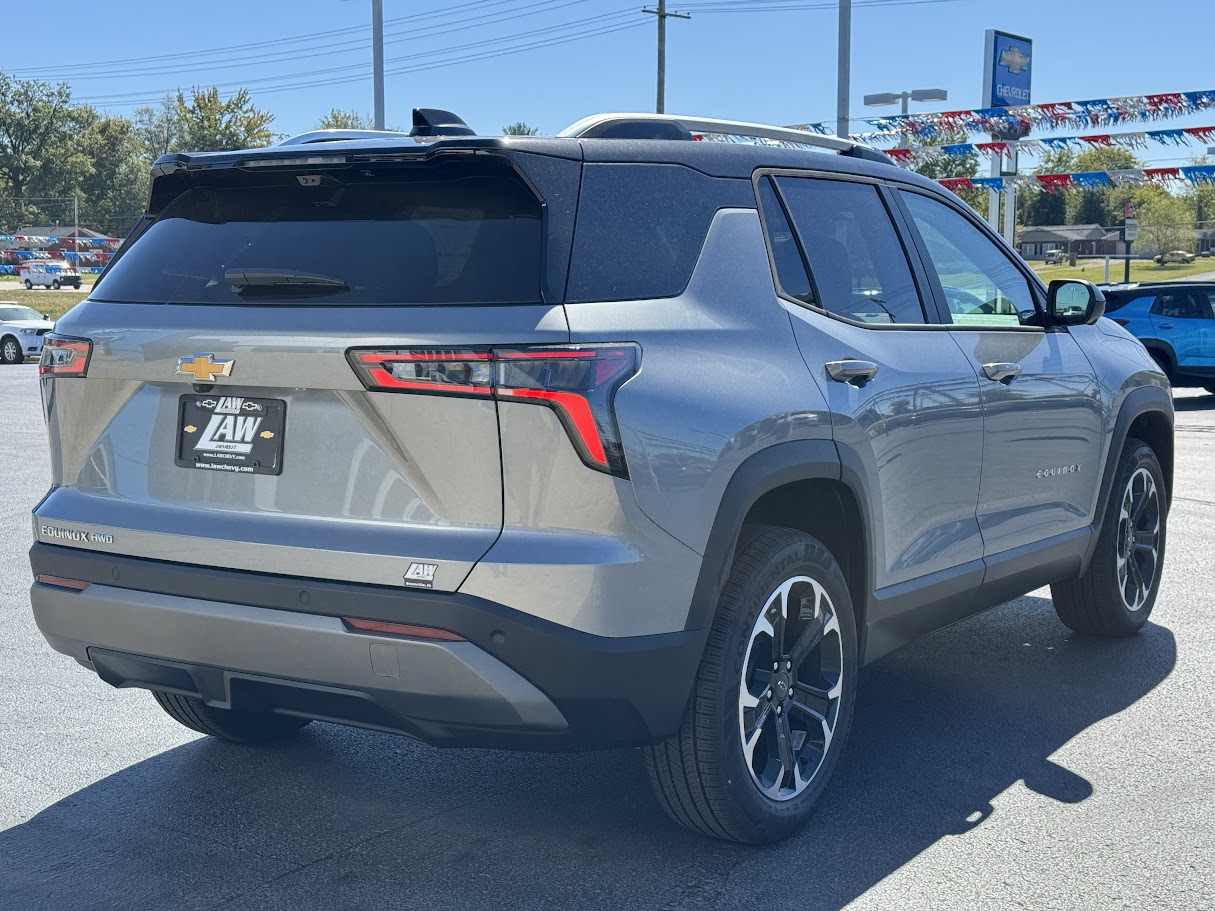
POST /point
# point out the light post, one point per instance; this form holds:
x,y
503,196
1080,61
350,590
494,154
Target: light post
x,y
904,98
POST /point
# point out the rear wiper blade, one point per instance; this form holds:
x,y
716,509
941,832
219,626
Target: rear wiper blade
x,y
272,280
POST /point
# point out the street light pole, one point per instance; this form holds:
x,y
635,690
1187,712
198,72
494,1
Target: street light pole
x,y
377,58
843,75
903,99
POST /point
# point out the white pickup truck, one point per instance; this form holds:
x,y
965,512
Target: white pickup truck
x,y
53,273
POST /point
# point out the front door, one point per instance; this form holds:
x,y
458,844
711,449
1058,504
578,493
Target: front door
x,y
904,399
1042,408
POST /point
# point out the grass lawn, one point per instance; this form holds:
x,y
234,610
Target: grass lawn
x,y
1141,270
56,303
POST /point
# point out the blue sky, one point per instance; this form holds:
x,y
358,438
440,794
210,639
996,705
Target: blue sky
x,y
776,66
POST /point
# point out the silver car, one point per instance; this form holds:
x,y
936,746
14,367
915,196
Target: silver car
x,y
21,332
614,438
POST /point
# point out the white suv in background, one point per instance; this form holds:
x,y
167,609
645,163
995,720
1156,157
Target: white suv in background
x,y
21,332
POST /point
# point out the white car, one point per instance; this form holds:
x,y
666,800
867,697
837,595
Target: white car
x,y
1173,256
21,331
53,273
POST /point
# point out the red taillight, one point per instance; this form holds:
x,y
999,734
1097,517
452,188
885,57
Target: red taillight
x,y
401,629
577,382
63,356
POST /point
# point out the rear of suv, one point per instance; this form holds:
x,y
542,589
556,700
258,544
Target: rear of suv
x,y
611,439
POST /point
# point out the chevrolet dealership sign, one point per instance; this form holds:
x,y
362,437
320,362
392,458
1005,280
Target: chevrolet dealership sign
x,y
1008,65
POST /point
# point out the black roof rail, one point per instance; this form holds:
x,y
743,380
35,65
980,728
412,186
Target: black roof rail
x,y
675,126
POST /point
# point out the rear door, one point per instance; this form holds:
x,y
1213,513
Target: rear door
x,y
904,400
1043,410
227,418
1183,318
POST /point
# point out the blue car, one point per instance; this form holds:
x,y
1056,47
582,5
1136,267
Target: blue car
x,y
1176,323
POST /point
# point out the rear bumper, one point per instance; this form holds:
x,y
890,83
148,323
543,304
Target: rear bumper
x,y
247,640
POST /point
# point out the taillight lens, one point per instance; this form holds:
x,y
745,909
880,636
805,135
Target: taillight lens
x,y
63,356
577,382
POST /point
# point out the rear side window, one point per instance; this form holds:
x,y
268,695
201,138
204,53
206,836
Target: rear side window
x,y
420,235
857,262
1183,305
641,226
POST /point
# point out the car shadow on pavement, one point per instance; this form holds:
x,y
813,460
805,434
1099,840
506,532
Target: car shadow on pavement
x,y
339,818
1194,403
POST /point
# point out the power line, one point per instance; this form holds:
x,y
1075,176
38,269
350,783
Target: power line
x,y
323,37
604,24
340,47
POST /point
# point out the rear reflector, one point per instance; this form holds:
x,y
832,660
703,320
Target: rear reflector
x,y
63,356
75,585
401,629
577,381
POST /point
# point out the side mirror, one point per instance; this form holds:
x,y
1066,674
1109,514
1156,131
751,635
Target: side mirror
x,y
1073,302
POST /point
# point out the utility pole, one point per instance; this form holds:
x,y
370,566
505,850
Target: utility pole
x,y
844,59
377,59
76,228
661,13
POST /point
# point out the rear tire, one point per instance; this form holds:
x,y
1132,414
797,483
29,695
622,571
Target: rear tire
x,y
227,724
1116,595
55,284
758,742
29,285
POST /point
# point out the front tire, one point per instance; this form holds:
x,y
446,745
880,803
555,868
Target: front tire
x,y
10,351
772,704
227,724
29,285
1116,595
55,284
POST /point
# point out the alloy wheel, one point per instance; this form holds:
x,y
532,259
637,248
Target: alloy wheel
x,y
792,681
10,351
1139,524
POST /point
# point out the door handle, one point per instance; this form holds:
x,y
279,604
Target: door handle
x,y
851,371
1166,325
1002,373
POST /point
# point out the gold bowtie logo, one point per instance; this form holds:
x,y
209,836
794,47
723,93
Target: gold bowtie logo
x,y
204,367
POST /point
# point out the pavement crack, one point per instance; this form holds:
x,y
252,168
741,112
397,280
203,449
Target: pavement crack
x,y
1192,500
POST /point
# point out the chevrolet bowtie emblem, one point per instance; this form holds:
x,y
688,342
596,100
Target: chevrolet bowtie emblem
x,y
204,367
1013,60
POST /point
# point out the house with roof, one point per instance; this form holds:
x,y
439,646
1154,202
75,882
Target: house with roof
x,y
1035,241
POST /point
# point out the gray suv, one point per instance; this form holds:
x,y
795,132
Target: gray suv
x,y
608,439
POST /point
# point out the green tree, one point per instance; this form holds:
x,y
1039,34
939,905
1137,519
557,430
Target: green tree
x,y
1041,207
1104,206
209,124
939,167
519,128
337,119
114,186
158,129
1166,221
32,121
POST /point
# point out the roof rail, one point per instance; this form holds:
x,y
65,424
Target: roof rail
x,y
632,126
340,135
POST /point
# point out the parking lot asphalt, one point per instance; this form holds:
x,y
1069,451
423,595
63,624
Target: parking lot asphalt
x,y
1002,763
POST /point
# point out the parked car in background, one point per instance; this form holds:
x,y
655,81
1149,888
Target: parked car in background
x,y
1173,256
1175,322
21,332
1055,257
49,272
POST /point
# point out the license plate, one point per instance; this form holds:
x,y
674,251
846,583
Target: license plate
x,y
231,433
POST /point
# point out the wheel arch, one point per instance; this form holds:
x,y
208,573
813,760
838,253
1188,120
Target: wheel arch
x,y
1155,344
1146,414
798,484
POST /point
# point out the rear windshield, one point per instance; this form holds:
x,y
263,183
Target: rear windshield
x,y
360,239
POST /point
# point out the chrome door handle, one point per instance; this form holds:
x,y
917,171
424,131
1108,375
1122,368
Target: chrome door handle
x,y
854,372
1002,373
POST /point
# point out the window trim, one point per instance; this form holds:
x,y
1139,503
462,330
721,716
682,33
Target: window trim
x,y
1037,291
914,265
